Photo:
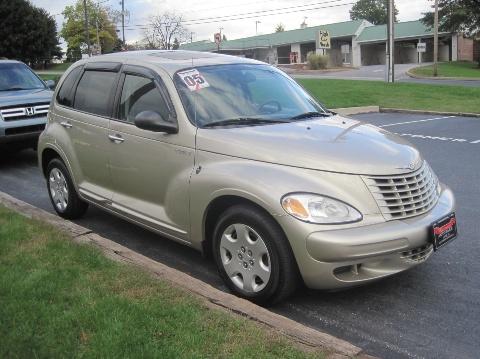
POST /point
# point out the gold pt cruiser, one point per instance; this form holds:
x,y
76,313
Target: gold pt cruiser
x,y
232,157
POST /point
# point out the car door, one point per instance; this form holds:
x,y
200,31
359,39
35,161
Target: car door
x,y
93,105
83,107
150,170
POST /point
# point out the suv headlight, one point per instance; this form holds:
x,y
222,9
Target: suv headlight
x,y
313,208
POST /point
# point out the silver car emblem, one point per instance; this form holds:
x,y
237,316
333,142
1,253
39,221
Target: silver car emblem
x,y
411,166
30,111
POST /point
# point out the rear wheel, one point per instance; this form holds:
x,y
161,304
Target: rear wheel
x,y
61,190
253,255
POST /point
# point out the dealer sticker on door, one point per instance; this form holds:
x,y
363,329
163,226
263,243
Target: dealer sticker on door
x,y
193,79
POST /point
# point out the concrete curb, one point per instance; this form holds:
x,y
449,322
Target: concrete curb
x,y
346,111
214,298
415,76
424,112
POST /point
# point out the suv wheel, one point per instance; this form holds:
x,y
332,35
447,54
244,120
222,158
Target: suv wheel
x,y
253,255
61,190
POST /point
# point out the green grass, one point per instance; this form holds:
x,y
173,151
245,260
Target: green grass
x,y
47,77
59,67
351,93
450,69
60,299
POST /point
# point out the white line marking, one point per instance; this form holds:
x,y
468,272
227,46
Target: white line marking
x,y
378,70
438,138
426,120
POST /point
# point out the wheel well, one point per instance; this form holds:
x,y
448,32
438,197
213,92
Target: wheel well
x,y
217,207
48,155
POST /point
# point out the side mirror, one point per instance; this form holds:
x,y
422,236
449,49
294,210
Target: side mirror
x,y
153,121
50,84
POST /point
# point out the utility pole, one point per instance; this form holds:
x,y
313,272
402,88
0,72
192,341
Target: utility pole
x,y
87,31
123,22
256,26
390,42
435,41
96,23
221,32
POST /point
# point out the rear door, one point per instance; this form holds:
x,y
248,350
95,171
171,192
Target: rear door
x,y
93,105
150,170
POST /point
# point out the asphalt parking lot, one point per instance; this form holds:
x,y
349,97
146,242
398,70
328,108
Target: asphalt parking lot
x,y
431,311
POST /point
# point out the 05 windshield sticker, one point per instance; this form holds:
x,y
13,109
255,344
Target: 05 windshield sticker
x,y
193,79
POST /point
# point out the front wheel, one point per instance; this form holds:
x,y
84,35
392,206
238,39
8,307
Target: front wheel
x,y
253,255
61,190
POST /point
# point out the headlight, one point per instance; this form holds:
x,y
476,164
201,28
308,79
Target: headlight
x,y
315,208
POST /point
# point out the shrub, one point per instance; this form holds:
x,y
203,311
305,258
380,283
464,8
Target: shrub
x,y
316,62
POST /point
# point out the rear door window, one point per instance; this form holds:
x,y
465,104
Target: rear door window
x,y
65,95
94,92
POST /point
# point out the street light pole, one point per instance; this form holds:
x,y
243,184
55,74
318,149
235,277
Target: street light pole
x,y
435,41
87,31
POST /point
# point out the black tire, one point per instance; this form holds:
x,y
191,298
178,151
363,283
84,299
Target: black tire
x,y
284,274
75,207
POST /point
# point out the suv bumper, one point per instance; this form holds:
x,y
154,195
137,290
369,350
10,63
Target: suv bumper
x,y
348,257
21,131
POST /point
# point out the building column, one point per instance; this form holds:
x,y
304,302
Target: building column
x,y
356,54
454,47
419,54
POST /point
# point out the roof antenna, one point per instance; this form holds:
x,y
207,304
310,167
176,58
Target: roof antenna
x,y
195,108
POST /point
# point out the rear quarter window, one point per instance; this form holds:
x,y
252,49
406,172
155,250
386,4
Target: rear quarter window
x,y
65,94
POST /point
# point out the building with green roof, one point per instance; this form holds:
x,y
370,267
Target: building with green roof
x,y
352,43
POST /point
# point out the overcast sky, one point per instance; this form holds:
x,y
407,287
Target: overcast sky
x,y
140,10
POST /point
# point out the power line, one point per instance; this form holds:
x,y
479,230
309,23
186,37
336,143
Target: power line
x,y
251,14
270,10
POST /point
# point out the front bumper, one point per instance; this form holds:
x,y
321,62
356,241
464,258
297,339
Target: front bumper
x,y
21,131
347,257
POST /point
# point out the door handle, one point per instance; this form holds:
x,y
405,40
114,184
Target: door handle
x,y
66,124
116,138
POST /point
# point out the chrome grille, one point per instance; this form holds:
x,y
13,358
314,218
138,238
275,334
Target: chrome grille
x,y
407,195
23,112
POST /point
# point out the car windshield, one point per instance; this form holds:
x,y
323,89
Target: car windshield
x,y
247,94
16,76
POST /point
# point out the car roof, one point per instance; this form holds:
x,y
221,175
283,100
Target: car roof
x,y
171,60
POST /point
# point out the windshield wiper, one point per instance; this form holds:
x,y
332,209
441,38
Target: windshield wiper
x,y
309,115
242,121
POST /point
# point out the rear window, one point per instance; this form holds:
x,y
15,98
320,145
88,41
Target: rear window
x,y
93,92
65,95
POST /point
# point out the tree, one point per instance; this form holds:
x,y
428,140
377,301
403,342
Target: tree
x,y
224,38
73,30
280,27
176,44
375,11
27,33
163,29
457,16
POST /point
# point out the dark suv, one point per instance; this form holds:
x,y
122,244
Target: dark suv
x,y
24,102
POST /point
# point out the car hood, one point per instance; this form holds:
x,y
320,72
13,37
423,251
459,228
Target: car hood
x,y
335,144
11,98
